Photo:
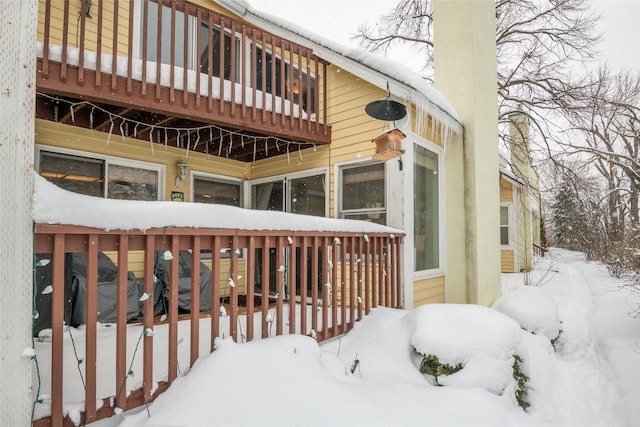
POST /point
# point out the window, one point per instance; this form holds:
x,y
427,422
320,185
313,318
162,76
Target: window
x,y
425,209
304,195
362,193
165,36
101,177
221,192
221,44
504,225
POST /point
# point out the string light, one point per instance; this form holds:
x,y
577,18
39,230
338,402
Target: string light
x,y
125,121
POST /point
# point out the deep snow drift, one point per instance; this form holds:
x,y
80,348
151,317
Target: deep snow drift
x,y
371,377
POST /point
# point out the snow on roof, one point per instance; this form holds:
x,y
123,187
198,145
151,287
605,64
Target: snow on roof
x,y
53,205
421,92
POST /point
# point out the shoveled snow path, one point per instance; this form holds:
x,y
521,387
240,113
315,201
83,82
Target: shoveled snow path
x,y
586,390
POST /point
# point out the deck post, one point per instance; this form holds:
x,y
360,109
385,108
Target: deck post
x,y
18,22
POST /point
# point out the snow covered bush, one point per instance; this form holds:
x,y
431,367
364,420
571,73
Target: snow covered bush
x,y
466,346
534,309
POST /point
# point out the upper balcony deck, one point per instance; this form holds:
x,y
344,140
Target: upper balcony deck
x,y
172,64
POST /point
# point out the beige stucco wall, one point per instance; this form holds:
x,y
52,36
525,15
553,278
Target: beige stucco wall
x,y
465,73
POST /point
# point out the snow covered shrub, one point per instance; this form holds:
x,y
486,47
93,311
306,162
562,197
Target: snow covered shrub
x,y
521,381
430,365
467,346
534,309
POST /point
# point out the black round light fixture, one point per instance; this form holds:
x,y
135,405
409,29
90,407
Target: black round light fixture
x,y
386,108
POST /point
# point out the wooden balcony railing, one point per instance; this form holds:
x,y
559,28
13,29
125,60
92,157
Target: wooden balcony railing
x,y
175,58
319,283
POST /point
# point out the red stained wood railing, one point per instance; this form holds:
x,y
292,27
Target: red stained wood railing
x,y
342,266
282,84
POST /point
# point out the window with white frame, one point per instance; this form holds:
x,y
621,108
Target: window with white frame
x,y
362,192
215,190
100,176
504,225
426,209
304,194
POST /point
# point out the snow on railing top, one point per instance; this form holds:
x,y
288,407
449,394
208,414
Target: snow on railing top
x,y
151,77
53,205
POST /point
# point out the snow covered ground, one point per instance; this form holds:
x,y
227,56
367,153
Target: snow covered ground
x,y
370,376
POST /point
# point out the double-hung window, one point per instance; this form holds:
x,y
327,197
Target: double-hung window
x,y
100,176
362,192
504,225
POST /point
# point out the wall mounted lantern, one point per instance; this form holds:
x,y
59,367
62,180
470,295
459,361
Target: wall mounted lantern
x,y
182,173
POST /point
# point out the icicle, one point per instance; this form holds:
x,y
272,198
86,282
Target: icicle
x,y
300,151
91,118
288,158
122,129
188,144
266,147
151,141
314,148
195,145
73,119
110,129
255,143
135,130
242,141
220,146
166,137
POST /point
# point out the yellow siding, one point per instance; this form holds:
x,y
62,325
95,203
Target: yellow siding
x,y
506,190
71,137
429,291
296,161
507,261
90,37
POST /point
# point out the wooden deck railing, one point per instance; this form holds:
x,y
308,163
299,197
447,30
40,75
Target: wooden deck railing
x,y
179,59
539,250
351,273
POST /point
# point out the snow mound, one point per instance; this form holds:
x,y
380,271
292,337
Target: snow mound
x,y
457,332
533,308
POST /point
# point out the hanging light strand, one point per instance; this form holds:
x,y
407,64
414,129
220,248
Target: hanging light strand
x,y
125,122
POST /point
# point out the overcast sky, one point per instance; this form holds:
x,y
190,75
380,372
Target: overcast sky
x,y
339,20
